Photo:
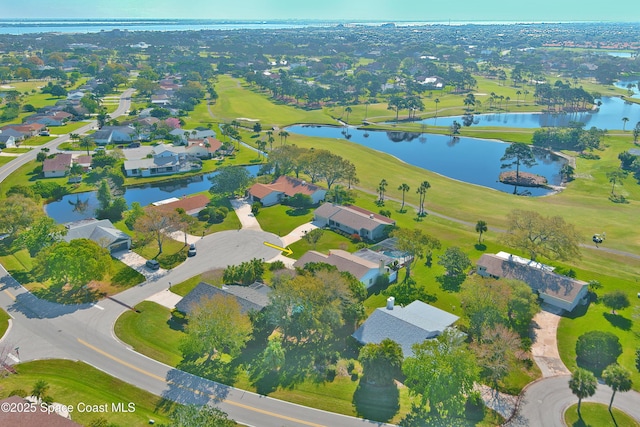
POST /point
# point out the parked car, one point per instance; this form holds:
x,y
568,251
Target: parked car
x,y
192,250
153,264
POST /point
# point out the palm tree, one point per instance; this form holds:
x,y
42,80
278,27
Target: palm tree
x,y
525,93
283,135
481,227
382,187
437,101
624,122
518,92
40,389
583,384
616,176
404,188
261,146
618,378
348,110
508,98
422,192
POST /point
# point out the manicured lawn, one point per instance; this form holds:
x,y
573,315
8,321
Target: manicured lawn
x,y
213,277
281,220
5,159
152,332
597,415
173,252
39,140
236,101
73,382
4,322
329,240
69,127
623,324
18,150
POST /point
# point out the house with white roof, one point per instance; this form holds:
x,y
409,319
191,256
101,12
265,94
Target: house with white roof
x,y
165,160
409,325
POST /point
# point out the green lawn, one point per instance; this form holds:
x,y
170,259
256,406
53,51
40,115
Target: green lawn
x,y
329,240
152,331
173,252
281,220
4,322
16,150
73,382
5,159
39,140
597,415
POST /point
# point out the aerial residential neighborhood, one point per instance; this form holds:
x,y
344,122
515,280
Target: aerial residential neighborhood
x,y
319,221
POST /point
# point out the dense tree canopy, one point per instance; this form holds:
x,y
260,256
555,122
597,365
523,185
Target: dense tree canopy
x,y
535,234
230,180
17,212
381,362
596,350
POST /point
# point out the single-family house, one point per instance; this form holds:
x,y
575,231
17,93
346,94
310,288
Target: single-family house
x,y
57,166
407,326
114,134
185,134
165,160
353,220
161,99
283,188
17,136
554,289
8,141
38,417
251,298
100,231
365,270
31,129
205,148
192,205
75,95
84,161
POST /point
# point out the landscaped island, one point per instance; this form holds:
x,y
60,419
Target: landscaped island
x,y
525,179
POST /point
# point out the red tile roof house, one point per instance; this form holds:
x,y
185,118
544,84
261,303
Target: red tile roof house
x,y
352,220
554,289
283,188
57,166
205,148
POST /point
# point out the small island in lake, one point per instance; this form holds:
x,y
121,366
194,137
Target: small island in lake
x,y
526,179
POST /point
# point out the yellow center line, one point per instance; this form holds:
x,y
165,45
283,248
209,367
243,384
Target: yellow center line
x,y
10,294
211,396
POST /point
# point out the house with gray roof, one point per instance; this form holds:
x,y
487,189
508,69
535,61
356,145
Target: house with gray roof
x,y
185,134
407,326
251,298
114,134
57,166
554,289
100,231
352,220
165,160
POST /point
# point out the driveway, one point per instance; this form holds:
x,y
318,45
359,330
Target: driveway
x,y
545,343
298,233
243,210
137,262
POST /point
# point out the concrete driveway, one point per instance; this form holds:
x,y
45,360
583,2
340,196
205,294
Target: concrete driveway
x,y
545,343
137,262
243,210
298,233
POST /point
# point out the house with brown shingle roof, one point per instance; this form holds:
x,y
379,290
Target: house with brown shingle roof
x,y
554,289
353,220
191,205
283,188
57,166
365,270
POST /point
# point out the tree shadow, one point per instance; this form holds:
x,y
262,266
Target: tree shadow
x,y
618,321
450,283
214,370
297,212
480,247
376,403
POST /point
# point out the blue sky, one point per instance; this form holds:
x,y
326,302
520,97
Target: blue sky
x,y
385,10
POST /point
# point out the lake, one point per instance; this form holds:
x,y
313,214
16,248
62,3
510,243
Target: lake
x,y
472,160
623,85
608,116
62,210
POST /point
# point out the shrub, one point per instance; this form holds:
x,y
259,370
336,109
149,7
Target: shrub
x,y
355,238
18,392
595,350
276,265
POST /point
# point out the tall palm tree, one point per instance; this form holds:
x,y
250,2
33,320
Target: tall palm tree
x,y
283,136
481,227
583,384
624,122
618,378
437,101
382,187
348,110
422,192
404,188
518,92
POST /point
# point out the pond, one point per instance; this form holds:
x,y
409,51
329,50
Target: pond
x,y
622,84
67,209
472,160
608,116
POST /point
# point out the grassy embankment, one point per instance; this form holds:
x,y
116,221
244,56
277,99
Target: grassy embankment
x,y
73,382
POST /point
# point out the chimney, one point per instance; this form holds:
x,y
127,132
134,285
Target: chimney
x,y
381,269
390,302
